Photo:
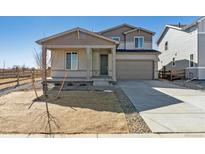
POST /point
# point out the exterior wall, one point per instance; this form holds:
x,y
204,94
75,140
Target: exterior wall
x,y
58,62
195,72
96,61
129,37
75,39
180,45
130,43
118,33
140,56
201,43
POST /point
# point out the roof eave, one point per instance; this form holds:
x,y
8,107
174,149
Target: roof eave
x,y
109,29
72,30
162,32
139,28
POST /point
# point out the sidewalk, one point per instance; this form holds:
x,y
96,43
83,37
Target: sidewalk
x,y
168,135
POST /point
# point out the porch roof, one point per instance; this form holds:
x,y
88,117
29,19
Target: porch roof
x,y
77,30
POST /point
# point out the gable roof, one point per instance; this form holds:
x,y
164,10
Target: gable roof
x,y
194,23
176,27
116,27
77,29
139,28
134,28
165,30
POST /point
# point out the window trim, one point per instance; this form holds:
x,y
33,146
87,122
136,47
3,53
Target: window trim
x,y
66,52
135,42
115,37
191,60
173,62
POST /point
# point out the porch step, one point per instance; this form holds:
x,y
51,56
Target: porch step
x,y
101,83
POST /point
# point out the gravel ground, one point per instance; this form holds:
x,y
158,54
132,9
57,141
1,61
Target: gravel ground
x,y
134,121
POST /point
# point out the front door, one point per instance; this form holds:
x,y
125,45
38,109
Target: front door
x,y
103,64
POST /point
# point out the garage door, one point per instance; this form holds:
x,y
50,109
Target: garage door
x,y
133,69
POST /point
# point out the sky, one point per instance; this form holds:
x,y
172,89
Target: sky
x,y
18,34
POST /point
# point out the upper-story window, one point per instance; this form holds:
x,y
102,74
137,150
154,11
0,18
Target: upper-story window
x,y
191,62
116,38
166,45
139,41
72,60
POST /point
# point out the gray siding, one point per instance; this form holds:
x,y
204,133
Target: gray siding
x,y
201,43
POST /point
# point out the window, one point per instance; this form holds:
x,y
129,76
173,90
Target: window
x,y
139,42
166,46
191,62
72,60
116,38
173,62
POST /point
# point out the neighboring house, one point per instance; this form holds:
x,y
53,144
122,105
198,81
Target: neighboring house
x,y
183,47
121,52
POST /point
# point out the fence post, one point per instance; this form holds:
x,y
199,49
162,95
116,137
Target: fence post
x,y
33,75
17,76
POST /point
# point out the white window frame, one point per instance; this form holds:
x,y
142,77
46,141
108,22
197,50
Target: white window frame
x,y
173,62
71,60
116,37
142,43
191,60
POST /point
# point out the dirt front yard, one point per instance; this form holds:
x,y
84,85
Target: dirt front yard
x,y
74,113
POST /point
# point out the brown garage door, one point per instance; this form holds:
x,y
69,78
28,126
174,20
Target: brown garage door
x,y
133,69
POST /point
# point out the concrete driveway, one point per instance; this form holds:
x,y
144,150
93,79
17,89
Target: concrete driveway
x,y
166,107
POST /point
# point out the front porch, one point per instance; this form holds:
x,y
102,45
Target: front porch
x,y
82,64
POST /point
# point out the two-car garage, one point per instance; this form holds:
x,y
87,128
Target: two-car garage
x,y
136,65
134,69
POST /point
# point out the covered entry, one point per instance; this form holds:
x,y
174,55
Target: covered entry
x,y
134,69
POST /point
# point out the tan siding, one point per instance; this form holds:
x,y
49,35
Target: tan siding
x,y
117,32
96,61
147,36
130,37
59,64
72,39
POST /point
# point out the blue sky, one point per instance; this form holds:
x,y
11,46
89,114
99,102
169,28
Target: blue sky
x,y
18,34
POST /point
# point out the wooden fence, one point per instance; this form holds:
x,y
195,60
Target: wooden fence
x,y
172,74
17,75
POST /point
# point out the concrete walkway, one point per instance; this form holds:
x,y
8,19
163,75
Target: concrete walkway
x,y
165,107
168,135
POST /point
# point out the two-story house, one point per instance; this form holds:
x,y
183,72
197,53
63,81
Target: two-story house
x,y
121,52
183,47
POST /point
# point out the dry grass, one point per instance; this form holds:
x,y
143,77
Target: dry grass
x,y
75,112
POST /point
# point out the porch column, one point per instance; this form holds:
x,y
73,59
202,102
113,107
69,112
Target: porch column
x,y
114,63
89,62
44,66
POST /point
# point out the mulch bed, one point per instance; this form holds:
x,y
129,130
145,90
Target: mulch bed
x,y
134,121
